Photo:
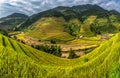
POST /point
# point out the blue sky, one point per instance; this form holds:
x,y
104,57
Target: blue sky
x,y
30,7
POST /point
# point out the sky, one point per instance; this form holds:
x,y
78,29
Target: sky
x,y
30,7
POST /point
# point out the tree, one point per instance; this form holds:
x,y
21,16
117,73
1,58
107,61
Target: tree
x,y
3,32
53,49
53,41
72,54
73,29
57,51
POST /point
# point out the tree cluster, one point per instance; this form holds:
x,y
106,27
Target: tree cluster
x,y
72,54
73,29
3,32
53,49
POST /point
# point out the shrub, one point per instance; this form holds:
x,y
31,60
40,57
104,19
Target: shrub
x,y
72,54
53,49
73,29
53,41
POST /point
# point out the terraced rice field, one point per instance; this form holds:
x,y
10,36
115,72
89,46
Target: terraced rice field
x,y
20,61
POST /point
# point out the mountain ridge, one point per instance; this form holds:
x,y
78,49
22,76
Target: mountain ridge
x,y
11,21
93,19
57,13
60,10
15,14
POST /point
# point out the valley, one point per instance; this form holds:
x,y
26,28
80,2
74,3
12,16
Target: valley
x,y
81,41
79,46
41,63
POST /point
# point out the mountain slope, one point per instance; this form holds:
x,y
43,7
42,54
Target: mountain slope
x,y
49,28
18,60
93,20
106,23
10,22
67,13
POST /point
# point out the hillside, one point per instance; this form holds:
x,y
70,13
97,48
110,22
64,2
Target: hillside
x,y
92,20
68,13
10,22
48,29
18,60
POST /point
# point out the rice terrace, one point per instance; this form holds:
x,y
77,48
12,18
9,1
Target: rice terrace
x,y
59,39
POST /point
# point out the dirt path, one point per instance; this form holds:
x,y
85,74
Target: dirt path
x,y
75,47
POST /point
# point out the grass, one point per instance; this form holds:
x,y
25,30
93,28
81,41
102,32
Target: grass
x,y
86,41
21,61
85,28
49,28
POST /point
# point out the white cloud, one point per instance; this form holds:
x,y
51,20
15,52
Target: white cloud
x,y
30,7
111,5
2,1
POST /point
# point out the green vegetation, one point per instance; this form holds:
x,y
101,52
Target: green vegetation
x,y
115,70
49,28
63,23
85,28
53,41
11,22
72,54
103,25
18,60
73,29
53,49
3,32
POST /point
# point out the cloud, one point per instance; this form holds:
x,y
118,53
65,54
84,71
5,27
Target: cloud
x,y
30,7
112,5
